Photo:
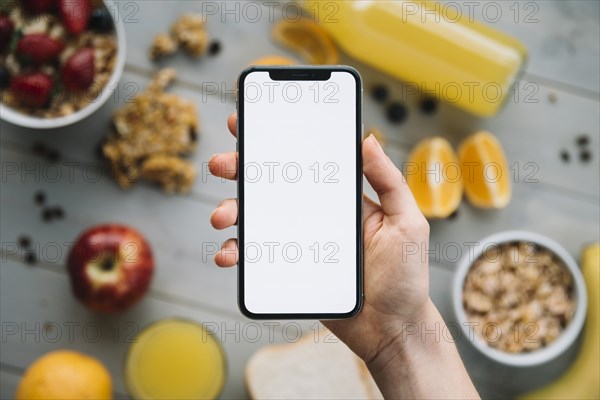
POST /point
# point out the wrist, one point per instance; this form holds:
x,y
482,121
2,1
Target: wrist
x,y
406,340
409,365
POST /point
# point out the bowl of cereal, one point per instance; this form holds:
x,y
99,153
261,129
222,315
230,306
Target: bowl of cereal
x,y
520,298
60,60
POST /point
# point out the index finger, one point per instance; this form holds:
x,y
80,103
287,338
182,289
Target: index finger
x,y
232,122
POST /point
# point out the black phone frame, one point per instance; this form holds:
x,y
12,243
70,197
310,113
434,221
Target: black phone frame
x,y
294,73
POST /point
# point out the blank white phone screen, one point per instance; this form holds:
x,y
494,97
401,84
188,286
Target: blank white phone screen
x,y
300,211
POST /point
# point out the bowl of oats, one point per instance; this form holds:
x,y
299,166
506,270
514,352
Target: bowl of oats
x,y
520,298
60,60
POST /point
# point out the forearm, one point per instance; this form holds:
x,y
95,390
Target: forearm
x,y
417,365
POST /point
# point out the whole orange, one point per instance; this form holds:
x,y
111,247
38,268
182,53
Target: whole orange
x,y
65,374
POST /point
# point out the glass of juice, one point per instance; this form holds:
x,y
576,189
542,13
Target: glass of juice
x,y
175,359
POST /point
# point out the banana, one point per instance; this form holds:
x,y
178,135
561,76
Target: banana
x,y
582,379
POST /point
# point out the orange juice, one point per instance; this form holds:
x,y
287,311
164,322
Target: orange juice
x,y
175,359
428,44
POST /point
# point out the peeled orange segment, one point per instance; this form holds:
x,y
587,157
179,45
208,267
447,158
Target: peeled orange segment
x,y
485,171
434,177
308,39
274,60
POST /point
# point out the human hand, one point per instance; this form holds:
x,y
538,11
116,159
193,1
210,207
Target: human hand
x,y
396,283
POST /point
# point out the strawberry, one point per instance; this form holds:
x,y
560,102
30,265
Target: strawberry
x,y
78,71
38,6
75,14
38,48
33,89
6,30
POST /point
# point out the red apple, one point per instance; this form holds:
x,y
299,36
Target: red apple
x,y
110,267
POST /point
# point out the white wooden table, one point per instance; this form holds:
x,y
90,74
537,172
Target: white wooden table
x,y
562,200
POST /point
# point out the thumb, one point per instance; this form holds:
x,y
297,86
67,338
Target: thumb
x,y
387,181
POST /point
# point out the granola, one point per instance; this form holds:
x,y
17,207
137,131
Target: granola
x,y
55,98
520,296
162,46
188,32
151,136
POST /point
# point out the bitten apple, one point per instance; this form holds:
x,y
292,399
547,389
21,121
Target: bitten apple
x,y
110,267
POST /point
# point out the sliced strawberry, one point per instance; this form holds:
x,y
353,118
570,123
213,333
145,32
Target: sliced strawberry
x,y
33,89
38,6
38,48
75,15
78,71
6,30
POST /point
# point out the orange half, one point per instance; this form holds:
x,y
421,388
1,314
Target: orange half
x,y
274,60
308,39
434,177
485,171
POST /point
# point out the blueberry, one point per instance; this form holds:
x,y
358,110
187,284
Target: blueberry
x,y
428,105
101,20
39,149
193,135
39,198
397,113
565,156
380,93
30,258
58,212
53,156
24,241
4,78
214,48
47,214
582,140
585,156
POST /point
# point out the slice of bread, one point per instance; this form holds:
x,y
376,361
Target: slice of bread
x,y
315,367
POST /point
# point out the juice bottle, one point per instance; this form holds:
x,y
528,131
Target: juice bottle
x,y
428,44
175,359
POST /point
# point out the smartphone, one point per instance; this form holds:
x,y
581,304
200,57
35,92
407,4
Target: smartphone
x,y
299,141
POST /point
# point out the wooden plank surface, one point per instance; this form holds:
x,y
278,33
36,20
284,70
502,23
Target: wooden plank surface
x,y
9,377
562,204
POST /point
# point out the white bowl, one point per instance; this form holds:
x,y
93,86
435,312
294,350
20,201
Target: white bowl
x,y
29,121
567,336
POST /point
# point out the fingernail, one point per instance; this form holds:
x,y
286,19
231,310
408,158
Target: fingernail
x,y
215,155
212,214
212,167
373,138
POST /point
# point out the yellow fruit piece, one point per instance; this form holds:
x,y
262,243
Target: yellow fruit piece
x,y
65,375
485,171
274,60
433,175
308,39
582,379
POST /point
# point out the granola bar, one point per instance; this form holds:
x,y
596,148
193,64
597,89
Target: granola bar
x,y
152,135
189,31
